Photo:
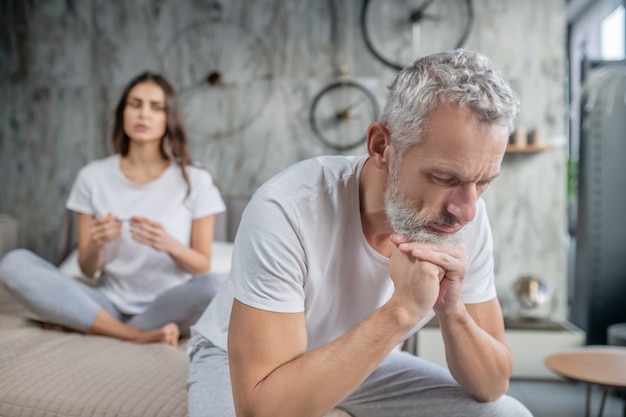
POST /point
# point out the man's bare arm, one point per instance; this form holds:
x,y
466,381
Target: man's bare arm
x,y
473,334
273,375
476,350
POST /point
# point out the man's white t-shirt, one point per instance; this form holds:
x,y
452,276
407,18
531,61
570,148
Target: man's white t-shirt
x,y
300,247
133,273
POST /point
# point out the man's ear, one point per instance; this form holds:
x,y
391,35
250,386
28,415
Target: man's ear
x,y
379,146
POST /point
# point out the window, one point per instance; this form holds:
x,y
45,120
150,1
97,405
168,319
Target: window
x,y
612,35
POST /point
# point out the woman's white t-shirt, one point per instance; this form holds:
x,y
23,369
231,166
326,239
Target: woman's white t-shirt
x,y
300,247
133,274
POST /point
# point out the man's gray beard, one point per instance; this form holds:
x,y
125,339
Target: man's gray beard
x,y
405,220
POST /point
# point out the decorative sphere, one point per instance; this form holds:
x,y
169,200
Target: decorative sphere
x,y
534,297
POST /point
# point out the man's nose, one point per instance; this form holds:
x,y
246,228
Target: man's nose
x,y
462,203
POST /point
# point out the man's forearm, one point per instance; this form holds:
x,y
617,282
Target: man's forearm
x,y
479,362
314,382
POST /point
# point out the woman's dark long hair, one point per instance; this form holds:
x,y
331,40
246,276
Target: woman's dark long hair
x,y
174,142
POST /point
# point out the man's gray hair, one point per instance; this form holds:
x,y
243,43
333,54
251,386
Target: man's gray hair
x,y
461,77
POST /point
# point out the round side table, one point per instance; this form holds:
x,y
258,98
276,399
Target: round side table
x,y
601,365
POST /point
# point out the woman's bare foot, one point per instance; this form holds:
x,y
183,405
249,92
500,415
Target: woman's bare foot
x,y
171,332
106,325
167,334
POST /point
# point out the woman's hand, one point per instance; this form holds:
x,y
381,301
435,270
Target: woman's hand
x,y
151,233
105,229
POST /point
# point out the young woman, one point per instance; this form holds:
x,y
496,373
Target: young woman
x,y
145,227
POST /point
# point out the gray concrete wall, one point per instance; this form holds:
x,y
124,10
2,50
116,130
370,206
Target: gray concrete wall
x,y
64,63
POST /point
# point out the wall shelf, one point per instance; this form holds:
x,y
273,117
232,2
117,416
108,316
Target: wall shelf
x,y
527,148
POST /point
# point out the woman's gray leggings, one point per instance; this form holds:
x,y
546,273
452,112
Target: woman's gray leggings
x,y
59,299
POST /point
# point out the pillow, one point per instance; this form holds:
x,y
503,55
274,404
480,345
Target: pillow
x,y
221,256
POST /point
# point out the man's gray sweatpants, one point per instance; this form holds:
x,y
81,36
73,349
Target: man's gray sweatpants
x,y
403,385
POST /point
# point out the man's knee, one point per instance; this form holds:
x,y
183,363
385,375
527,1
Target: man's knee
x,y
505,406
